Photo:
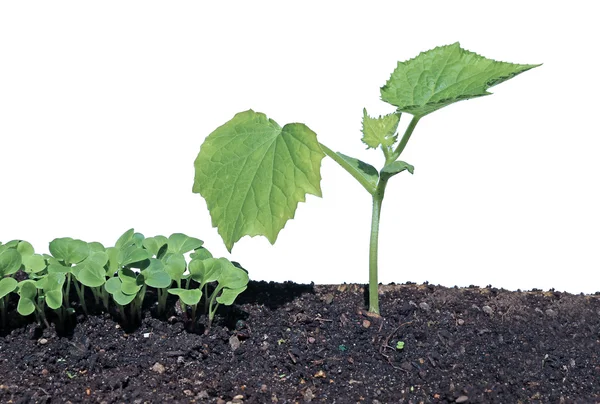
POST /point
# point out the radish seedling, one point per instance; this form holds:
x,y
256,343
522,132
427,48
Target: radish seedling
x,y
253,172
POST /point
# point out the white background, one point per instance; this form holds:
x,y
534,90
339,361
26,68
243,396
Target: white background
x,y
104,106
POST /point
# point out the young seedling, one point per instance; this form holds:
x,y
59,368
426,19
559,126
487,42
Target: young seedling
x,y
253,172
231,281
65,253
10,262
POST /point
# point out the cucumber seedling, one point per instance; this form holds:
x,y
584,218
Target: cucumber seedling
x,y
253,172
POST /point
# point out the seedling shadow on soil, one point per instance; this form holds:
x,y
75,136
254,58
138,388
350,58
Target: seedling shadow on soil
x,y
270,294
287,343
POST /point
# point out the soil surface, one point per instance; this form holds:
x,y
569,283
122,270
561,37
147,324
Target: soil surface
x,y
290,343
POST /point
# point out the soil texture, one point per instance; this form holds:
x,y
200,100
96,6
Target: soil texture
x,y
290,343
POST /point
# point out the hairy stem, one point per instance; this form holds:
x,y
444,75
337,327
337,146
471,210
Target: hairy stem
x,y
373,247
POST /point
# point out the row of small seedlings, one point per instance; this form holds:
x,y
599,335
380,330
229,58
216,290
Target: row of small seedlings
x,y
117,276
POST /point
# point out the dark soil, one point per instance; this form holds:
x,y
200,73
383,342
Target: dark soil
x,y
289,343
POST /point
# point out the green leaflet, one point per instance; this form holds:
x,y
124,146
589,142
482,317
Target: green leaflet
x,y
228,296
91,274
10,262
365,170
395,168
253,173
52,286
380,131
7,285
27,292
68,250
180,243
442,76
174,266
191,297
154,244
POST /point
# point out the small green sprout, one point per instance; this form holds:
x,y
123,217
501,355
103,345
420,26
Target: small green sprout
x,y
400,345
123,272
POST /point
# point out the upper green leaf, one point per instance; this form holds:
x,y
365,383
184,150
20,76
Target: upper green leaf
x,y
380,131
442,76
253,173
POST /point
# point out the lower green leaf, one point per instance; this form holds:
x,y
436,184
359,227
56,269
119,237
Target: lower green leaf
x,y
395,168
7,285
229,295
191,297
27,292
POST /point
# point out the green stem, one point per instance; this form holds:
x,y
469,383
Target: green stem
x,y
3,311
373,247
105,297
213,310
404,140
81,294
349,168
67,290
194,315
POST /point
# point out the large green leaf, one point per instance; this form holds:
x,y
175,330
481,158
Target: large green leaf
x,y
69,250
380,131
253,173
10,262
442,76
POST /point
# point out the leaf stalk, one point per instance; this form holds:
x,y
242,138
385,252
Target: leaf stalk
x,y
404,140
351,170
